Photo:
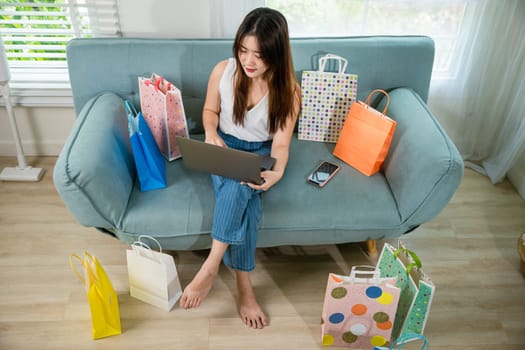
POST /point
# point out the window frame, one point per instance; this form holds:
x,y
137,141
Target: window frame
x,y
40,77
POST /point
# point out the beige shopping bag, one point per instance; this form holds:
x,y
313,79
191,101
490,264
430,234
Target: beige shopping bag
x,y
152,275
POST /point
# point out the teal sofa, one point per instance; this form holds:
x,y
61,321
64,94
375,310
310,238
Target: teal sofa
x,y
95,175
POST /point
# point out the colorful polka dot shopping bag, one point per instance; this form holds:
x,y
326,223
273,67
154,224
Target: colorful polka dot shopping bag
x,y
326,99
358,312
162,108
417,290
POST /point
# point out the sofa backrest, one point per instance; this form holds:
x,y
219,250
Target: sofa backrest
x,y
113,64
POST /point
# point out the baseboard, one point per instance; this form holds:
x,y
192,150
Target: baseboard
x,y
48,148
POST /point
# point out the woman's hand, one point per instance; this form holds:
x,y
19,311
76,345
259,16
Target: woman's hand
x,y
270,178
280,148
215,139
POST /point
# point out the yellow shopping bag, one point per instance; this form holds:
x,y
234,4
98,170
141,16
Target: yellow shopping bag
x,y
103,301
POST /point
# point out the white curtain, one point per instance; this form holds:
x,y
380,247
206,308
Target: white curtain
x,y
227,15
482,105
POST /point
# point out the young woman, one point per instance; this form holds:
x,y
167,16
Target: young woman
x,y
252,103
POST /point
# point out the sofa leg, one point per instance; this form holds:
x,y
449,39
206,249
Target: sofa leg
x,y
371,248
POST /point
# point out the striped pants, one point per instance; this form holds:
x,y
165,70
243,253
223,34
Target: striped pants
x,y
237,211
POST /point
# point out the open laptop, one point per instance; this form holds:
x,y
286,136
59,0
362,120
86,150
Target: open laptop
x,y
223,161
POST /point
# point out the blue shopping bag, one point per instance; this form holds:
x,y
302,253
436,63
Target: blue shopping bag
x,y
149,162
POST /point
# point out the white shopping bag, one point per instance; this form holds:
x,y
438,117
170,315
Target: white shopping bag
x,y
152,275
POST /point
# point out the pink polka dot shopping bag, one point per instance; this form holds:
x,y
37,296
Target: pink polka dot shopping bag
x,y
326,99
358,312
162,108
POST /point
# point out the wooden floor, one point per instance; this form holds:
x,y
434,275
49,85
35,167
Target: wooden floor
x,y
469,251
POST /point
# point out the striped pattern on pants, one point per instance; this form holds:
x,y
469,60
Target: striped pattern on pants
x,y
237,211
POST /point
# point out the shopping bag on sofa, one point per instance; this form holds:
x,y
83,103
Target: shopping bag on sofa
x,y
358,312
326,99
103,301
417,290
150,165
366,136
161,105
152,275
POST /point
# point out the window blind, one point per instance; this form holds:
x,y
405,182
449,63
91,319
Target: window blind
x,y
35,34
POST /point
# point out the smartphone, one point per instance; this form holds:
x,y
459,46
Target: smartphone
x,y
322,174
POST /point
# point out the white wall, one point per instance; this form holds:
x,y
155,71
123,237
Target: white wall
x,y
164,18
43,130
183,19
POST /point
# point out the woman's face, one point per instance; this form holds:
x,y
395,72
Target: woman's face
x,y
250,57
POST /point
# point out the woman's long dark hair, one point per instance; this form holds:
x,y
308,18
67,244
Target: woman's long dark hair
x,y
271,30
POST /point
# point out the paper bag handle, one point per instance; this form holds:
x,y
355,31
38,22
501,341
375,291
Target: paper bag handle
x,y
133,120
84,262
365,270
74,268
383,92
341,60
140,242
158,80
416,261
130,108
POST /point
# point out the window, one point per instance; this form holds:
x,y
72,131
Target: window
x,y
35,34
441,20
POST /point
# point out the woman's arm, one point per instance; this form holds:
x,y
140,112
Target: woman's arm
x,y
212,106
280,148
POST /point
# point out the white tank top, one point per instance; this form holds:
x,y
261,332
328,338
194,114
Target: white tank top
x,y
256,120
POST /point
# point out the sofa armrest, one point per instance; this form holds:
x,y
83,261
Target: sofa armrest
x,y
94,173
423,166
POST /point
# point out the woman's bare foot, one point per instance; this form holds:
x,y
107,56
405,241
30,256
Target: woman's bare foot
x,y
251,313
199,287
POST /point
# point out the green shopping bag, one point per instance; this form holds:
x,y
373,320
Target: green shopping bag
x,y
417,290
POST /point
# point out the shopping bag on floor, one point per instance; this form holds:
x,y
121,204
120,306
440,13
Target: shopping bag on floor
x,y
398,343
103,301
161,105
150,165
152,274
326,99
417,290
358,312
366,136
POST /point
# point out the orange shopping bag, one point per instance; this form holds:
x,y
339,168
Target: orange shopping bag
x,y
366,136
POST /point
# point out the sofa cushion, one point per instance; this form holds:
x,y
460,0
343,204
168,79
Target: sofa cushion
x,y
99,141
422,155
291,208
